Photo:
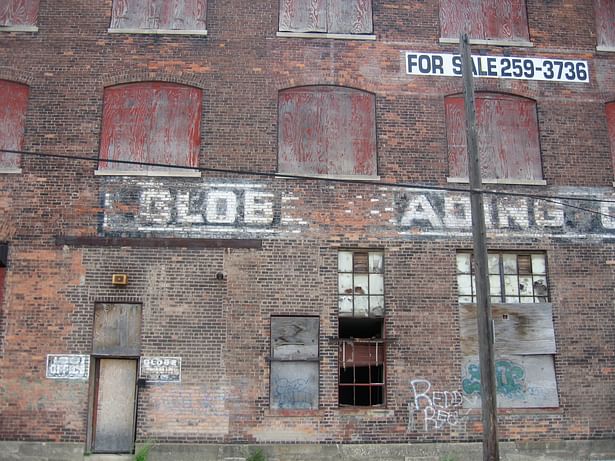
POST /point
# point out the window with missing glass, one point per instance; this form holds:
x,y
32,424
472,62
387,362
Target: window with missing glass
x,y
513,278
361,313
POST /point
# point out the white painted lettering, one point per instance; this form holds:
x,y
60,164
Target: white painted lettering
x,y
184,214
457,212
548,214
221,207
156,206
258,208
420,210
513,213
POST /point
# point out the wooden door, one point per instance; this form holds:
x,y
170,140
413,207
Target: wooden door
x,y
114,406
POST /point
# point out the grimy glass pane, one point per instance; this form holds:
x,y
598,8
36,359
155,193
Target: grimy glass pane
x,y
294,385
361,306
376,262
345,284
463,263
376,284
345,305
344,261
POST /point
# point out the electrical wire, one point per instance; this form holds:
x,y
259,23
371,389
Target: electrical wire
x,y
556,199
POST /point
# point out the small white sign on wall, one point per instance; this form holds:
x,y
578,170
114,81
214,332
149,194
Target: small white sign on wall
x,y
161,369
68,366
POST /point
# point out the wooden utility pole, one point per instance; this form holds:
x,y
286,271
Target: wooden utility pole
x,y
486,346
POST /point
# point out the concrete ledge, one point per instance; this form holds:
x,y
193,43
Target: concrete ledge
x,y
587,450
326,35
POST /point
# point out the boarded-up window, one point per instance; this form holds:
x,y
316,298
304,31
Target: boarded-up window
x,y
117,329
605,23
18,12
361,327
523,330
484,19
326,16
294,362
508,141
14,97
610,119
327,130
159,14
152,123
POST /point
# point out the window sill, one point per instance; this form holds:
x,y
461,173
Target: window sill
x,y
512,182
159,31
18,29
608,49
187,173
326,35
492,42
341,177
288,412
366,411
10,170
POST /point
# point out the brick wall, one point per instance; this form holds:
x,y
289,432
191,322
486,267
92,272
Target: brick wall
x,y
220,328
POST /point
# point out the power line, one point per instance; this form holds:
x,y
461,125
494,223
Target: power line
x,y
548,198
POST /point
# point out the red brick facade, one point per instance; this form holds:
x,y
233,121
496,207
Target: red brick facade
x,y
211,259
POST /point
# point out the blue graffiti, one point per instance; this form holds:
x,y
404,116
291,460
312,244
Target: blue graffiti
x,y
292,393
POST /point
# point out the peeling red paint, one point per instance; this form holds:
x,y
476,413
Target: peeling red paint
x,y
508,141
14,98
486,19
327,130
18,12
151,122
333,16
159,14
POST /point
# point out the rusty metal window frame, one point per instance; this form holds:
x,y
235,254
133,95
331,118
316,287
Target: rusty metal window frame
x,y
362,360
529,267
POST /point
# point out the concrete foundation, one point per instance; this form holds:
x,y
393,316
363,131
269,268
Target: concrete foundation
x,y
602,450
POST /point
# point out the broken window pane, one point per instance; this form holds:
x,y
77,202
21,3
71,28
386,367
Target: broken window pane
x,y
524,279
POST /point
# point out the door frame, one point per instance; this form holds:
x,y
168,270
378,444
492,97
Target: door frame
x,y
93,401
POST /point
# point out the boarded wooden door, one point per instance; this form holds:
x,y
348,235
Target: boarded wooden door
x,y
114,412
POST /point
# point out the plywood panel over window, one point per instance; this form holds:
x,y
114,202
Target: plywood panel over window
x,y
605,23
159,14
484,19
508,139
330,16
294,362
18,12
327,130
150,122
610,118
14,97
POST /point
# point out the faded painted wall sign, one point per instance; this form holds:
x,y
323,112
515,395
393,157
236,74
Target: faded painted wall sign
x,y
189,208
70,366
161,369
449,65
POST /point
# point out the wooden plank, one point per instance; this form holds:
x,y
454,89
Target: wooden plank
x,y
158,242
457,16
12,120
605,22
294,338
115,406
522,329
19,12
151,122
509,146
327,130
117,329
349,17
159,14
522,381
303,16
